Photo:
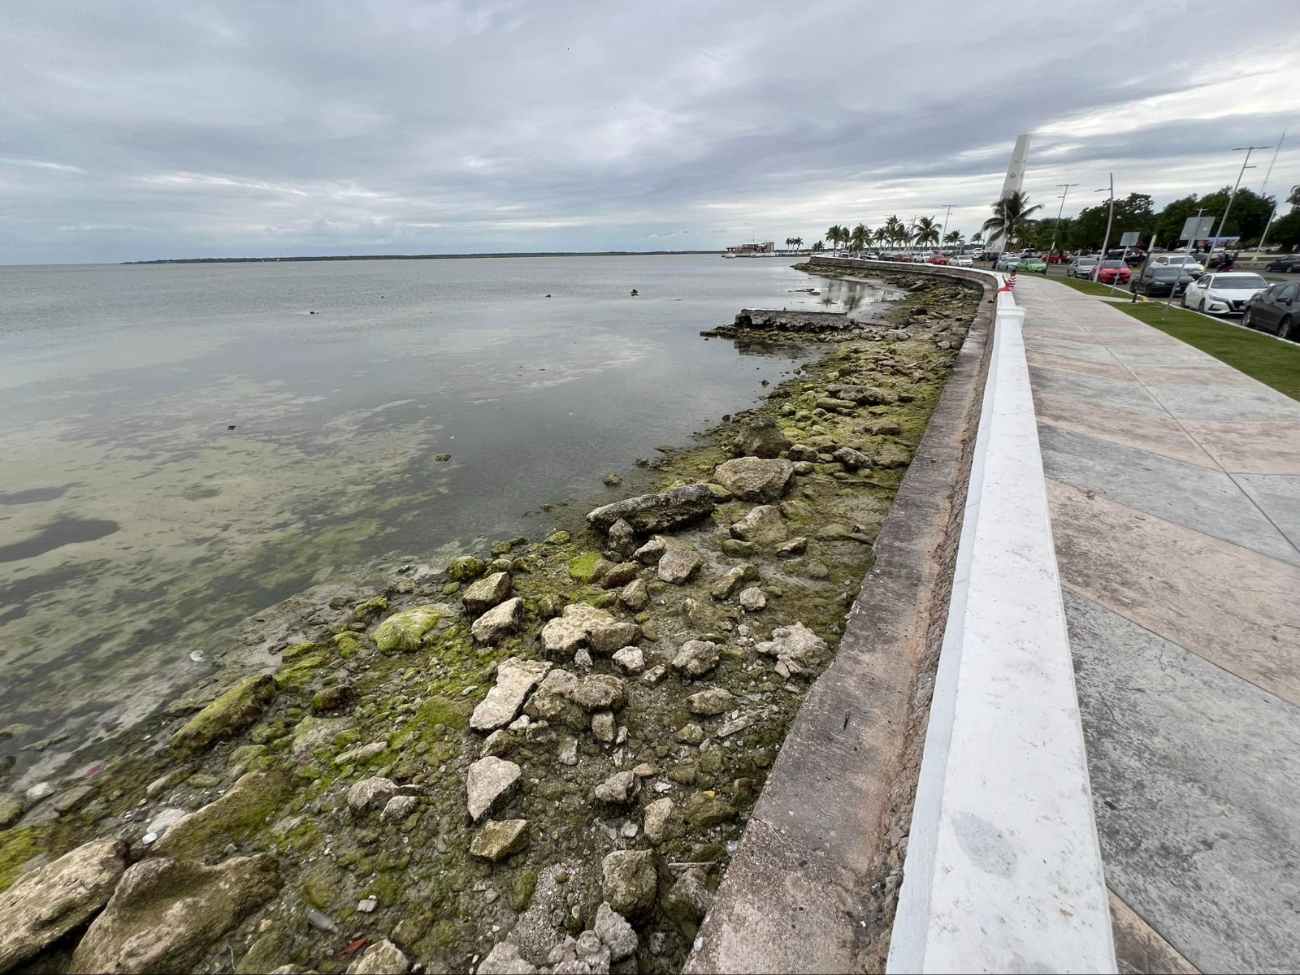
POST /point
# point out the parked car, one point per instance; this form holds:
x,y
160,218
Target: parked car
x,y
1159,280
1032,265
1276,310
1290,264
1113,272
1186,262
1007,262
1224,293
938,257
1058,257
962,260
1081,267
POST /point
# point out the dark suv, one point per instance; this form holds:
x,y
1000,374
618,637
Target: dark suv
x,y
1159,280
1289,264
1276,310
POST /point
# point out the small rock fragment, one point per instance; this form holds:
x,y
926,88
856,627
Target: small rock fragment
x,y
713,701
498,840
490,784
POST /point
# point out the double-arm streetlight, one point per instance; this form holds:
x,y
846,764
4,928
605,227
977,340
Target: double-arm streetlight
x,y
1106,240
1231,196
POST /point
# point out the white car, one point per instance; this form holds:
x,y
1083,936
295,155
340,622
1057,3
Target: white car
x,y
1175,260
1223,294
1008,262
962,260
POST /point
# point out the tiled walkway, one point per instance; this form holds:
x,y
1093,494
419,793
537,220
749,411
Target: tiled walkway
x,y
1174,484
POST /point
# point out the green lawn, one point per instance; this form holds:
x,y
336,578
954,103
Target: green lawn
x,y
1259,356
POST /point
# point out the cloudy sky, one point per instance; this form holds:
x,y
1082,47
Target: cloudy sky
x,y
134,130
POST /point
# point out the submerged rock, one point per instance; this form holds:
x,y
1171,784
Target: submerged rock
x,y
515,681
165,913
490,784
233,711
657,512
405,631
59,897
756,478
761,438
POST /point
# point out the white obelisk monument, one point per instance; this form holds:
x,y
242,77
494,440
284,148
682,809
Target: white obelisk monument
x,y
1014,181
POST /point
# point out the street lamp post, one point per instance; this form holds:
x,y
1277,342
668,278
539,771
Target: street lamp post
x,y
1061,209
1259,248
1231,196
1106,240
944,232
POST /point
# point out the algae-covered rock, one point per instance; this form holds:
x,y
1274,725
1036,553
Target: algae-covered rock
x,y
57,898
756,478
241,811
165,913
296,675
486,593
620,575
713,701
893,455
368,610
657,512
465,569
852,459
11,810
233,711
630,882
696,657
702,811
381,958
588,568
687,901
404,631
761,438
678,564
763,525
729,581
500,839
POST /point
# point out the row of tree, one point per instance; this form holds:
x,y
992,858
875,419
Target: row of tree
x,y
925,232
1013,218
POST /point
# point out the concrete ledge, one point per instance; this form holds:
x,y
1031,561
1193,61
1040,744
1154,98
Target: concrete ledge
x,y
1003,871
806,890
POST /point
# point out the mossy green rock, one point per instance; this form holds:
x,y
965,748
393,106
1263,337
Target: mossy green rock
x,y
587,568
348,644
296,651
233,711
370,609
297,675
404,631
465,569
232,818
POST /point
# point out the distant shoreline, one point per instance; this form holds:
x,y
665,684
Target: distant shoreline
x,y
408,257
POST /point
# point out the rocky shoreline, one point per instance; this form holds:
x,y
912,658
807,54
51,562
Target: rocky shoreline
x,y
537,759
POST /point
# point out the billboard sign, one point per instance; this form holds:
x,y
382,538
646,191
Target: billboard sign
x,y
1194,228
1129,239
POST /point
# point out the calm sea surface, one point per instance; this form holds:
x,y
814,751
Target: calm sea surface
x,y
182,445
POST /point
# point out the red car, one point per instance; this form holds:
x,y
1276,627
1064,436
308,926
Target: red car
x,y
1059,257
937,257
1113,272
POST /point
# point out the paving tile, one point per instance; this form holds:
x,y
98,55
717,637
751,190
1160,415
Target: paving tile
x,y
1195,497
1256,402
1105,369
1094,390
1250,447
1139,950
1195,776
1211,373
1229,604
1278,497
1074,349
1157,434
1172,355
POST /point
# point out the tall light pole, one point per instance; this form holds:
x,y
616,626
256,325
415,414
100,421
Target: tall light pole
x,y
947,213
1228,209
1059,210
1272,213
1110,219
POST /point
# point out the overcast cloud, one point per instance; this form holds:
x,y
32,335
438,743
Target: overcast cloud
x,y
135,130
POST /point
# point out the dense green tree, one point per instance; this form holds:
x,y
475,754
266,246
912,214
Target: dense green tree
x,y
859,237
1285,231
1250,212
1134,212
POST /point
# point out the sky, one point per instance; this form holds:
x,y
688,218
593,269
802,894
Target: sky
x,y
136,130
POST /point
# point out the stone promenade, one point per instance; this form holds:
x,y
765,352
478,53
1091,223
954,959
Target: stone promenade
x,y
1174,487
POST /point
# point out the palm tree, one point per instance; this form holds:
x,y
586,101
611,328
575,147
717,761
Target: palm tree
x,y
894,230
798,243
859,237
833,237
1010,214
787,243
881,235
953,237
817,247
927,232
977,237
